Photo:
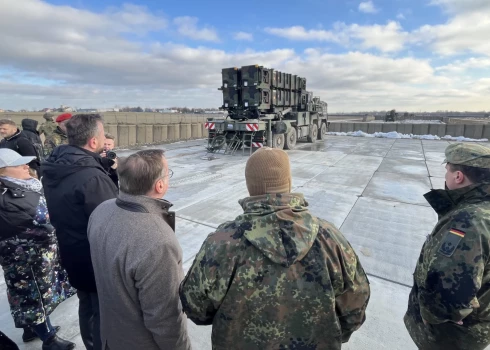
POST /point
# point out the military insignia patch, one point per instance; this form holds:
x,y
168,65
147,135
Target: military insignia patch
x,y
450,242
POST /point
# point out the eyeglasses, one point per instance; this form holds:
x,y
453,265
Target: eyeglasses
x,y
170,174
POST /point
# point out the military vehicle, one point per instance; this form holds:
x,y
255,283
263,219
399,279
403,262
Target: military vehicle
x,y
391,116
265,107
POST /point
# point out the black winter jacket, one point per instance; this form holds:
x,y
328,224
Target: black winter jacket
x,y
22,145
29,128
75,183
17,209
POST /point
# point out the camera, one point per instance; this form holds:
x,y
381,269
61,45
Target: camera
x,y
111,155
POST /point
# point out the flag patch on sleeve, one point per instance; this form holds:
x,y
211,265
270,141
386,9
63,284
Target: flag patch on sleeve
x,y
450,242
457,232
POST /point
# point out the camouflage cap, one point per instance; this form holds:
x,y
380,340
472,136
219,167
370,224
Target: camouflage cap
x,y
469,154
48,116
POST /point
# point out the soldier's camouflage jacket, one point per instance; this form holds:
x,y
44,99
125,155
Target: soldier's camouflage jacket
x,y
276,278
58,137
47,128
452,277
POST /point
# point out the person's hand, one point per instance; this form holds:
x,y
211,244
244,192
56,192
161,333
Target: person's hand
x,y
103,154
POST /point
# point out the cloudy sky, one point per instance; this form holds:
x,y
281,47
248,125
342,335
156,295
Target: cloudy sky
x,y
382,54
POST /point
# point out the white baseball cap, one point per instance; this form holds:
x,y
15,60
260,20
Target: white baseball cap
x,y
12,158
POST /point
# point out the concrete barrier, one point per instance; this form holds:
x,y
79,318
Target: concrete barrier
x,y
112,129
388,127
149,133
204,130
123,117
335,127
361,127
437,129
474,131
196,132
122,135
159,133
140,134
486,132
375,127
455,130
173,132
420,129
132,135
185,131
346,127
406,129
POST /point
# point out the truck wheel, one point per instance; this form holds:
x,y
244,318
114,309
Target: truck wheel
x,y
290,139
278,141
322,133
312,136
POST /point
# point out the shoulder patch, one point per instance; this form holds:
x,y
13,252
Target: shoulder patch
x,y
450,242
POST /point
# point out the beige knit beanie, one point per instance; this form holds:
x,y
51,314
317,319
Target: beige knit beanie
x,y
268,171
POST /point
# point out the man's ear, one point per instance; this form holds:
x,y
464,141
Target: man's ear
x,y
159,186
459,177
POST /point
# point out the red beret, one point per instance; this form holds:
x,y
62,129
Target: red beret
x,y
63,117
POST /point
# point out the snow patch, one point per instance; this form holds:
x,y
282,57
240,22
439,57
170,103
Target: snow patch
x,y
396,135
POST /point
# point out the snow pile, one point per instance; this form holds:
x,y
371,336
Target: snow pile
x,y
396,135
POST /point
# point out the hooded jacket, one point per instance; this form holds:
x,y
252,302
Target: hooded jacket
x,y
277,278
75,183
29,127
452,276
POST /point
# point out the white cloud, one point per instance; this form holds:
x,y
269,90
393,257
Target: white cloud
x,y
462,6
243,36
400,16
367,7
463,33
461,66
300,33
187,26
386,38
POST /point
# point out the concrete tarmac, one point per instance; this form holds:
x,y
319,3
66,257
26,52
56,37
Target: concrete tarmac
x,y
370,188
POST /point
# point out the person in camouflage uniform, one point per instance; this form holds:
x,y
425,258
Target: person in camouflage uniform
x,y
449,305
276,277
48,127
58,137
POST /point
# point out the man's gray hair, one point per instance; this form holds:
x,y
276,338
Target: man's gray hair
x,y
139,172
82,127
7,122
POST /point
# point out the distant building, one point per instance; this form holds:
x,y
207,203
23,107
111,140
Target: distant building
x,y
87,110
167,111
2,111
102,110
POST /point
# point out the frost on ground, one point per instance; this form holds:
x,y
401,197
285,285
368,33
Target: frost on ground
x,y
396,135
409,121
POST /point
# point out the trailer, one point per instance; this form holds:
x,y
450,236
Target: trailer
x,y
265,107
